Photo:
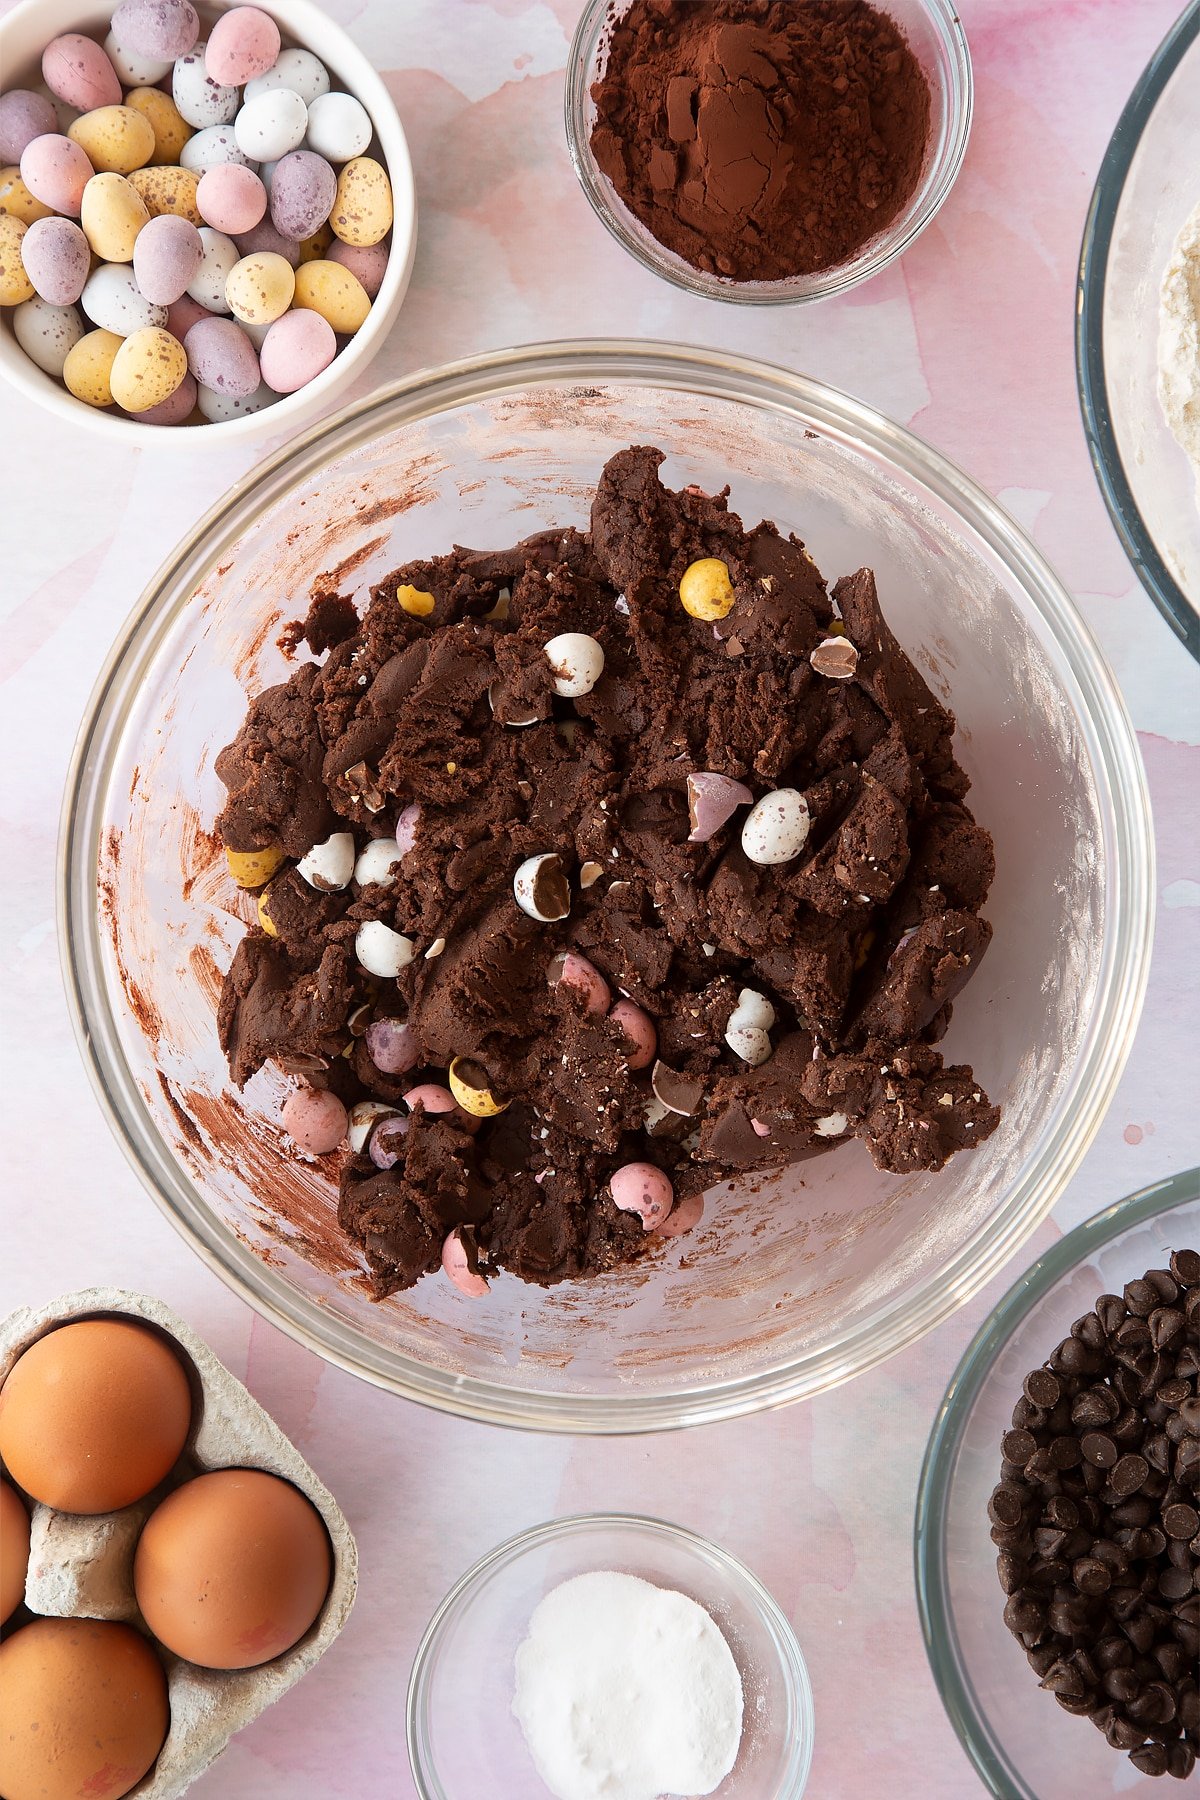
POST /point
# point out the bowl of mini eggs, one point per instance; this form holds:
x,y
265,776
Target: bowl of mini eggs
x,y
207,216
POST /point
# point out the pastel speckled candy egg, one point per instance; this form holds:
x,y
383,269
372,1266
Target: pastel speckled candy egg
x,y
219,259
112,300
16,200
57,260
231,198
15,285
115,139
47,333
260,288
76,70
183,313
147,369
267,128
303,189
242,44
335,293
339,127
366,262
24,115
299,70
264,236
88,366
215,144
168,191
112,215
362,211
217,408
160,28
201,100
296,349
171,130
166,257
316,246
133,70
221,357
176,409
56,171
643,1189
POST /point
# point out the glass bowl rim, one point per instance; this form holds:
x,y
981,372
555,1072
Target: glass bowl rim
x,y
791,1656
1148,565
1102,719
891,243
969,1720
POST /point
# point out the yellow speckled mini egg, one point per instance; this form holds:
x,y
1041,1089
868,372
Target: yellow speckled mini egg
x,y
362,207
260,288
115,139
88,368
15,284
339,296
315,246
168,190
112,214
171,130
16,200
147,369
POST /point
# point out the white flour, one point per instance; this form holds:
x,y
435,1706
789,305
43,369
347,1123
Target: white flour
x,y
626,1691
1179,342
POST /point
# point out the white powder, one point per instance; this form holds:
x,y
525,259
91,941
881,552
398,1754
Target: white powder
x,y
626,1691
1179,342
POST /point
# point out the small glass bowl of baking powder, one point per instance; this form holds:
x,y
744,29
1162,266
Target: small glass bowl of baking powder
x,y
937,39
463,1739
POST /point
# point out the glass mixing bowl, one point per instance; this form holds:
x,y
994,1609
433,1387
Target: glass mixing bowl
x,y
459,1751
1148,184
795,1281
1023,1747
939,43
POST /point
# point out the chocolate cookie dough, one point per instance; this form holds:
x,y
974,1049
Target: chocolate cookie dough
x,y
652,842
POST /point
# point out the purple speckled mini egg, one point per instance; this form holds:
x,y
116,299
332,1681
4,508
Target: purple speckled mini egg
x,y
221,357
265,237
303,189
296,349
231,198
23,117
56,171
166,255
162,29
57,260
243,43
76,70
368,262
175,409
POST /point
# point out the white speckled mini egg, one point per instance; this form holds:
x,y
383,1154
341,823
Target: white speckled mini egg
x,y
201,100
219,260
267,128
299,70
215,144
219,407
112,300
134,70
46,333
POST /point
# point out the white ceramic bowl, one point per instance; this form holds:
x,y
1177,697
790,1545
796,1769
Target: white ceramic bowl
x,y
25,33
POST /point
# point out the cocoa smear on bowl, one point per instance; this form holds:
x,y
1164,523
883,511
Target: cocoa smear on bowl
x,y
761,139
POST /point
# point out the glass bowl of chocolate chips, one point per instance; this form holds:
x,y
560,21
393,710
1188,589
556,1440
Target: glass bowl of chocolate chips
x,y
653,1118
1058,1518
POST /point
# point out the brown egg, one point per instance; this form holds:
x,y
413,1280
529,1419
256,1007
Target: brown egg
x,y
232,1568
14,1550
94,1415
85,1710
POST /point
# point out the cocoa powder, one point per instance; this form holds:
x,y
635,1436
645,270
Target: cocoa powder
x,y
761,139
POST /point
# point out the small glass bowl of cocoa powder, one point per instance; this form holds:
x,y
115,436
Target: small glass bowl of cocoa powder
x,y
763,151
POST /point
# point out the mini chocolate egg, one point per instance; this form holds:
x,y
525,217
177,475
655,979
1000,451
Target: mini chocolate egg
x,y
221,357
264,236
24,115
135,71
242,44
299,70
219,259
643,1189
362,211
85,1710
18,203
638,1030
260,288
177,409
339,127
115,139
314,1119
168,190
76,70
183,313
201,100
303,188
209,148
161,28
314,247
328,289
112,215
111,299
15,285
14,1550
56,171
232,1569
171,130
366,262
166,257
457,1266
94,1414
295,350
57,260
267,128
147,369
88,364
47,333
231,198
216,408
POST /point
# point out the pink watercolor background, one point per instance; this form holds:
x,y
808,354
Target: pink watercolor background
x,y
969,340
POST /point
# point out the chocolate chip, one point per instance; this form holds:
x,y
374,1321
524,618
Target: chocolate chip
x,y
1151,1759
1185,1267
1128,1475
1175,1584
1141,1297
1098,1450
1110,1310
1181,1521
1094,1406
1042,1389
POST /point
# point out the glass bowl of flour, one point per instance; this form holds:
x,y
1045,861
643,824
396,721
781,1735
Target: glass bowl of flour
x,y
609,1655
1138,328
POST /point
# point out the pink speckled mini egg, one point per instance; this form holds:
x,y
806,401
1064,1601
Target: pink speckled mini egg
x,y
221,357
368,262
56,171
57,260
76,71
176,409
231,197
263,237
183,313
23,116
166,255
296,349
243,43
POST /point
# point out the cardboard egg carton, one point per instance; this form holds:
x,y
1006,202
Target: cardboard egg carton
x,y
82,1566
